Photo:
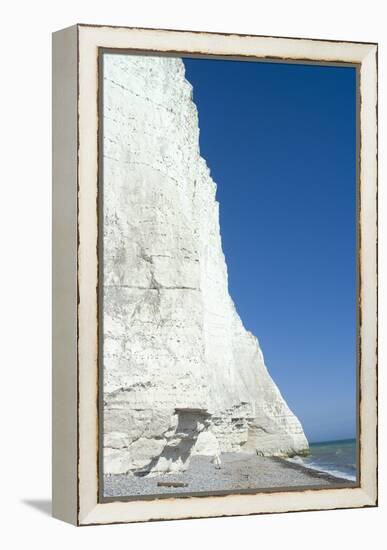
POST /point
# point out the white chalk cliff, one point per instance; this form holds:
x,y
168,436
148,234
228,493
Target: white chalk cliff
x,y
181,373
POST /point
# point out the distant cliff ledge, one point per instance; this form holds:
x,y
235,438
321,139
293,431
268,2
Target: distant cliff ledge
x,y
182,376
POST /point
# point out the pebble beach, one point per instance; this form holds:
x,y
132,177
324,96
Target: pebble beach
x,y
238,472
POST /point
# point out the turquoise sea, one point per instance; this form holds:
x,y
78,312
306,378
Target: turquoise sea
x,y
337,458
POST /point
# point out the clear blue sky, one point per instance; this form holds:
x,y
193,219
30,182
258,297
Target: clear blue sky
x,y
280,143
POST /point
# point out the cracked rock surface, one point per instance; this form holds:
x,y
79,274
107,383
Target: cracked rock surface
x,y
181,375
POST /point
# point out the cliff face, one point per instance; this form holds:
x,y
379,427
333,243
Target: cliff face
x,y
181,374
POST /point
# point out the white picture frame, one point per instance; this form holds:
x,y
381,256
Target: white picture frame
x,y
75,423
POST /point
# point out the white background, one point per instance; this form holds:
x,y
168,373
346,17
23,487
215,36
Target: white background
x,y
25,272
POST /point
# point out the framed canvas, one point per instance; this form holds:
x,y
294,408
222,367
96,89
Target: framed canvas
x,y
210,190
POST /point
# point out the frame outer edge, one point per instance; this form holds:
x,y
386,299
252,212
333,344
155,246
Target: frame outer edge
x,y
369,276
64,275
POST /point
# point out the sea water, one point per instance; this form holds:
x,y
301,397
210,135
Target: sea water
x,y
337,458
